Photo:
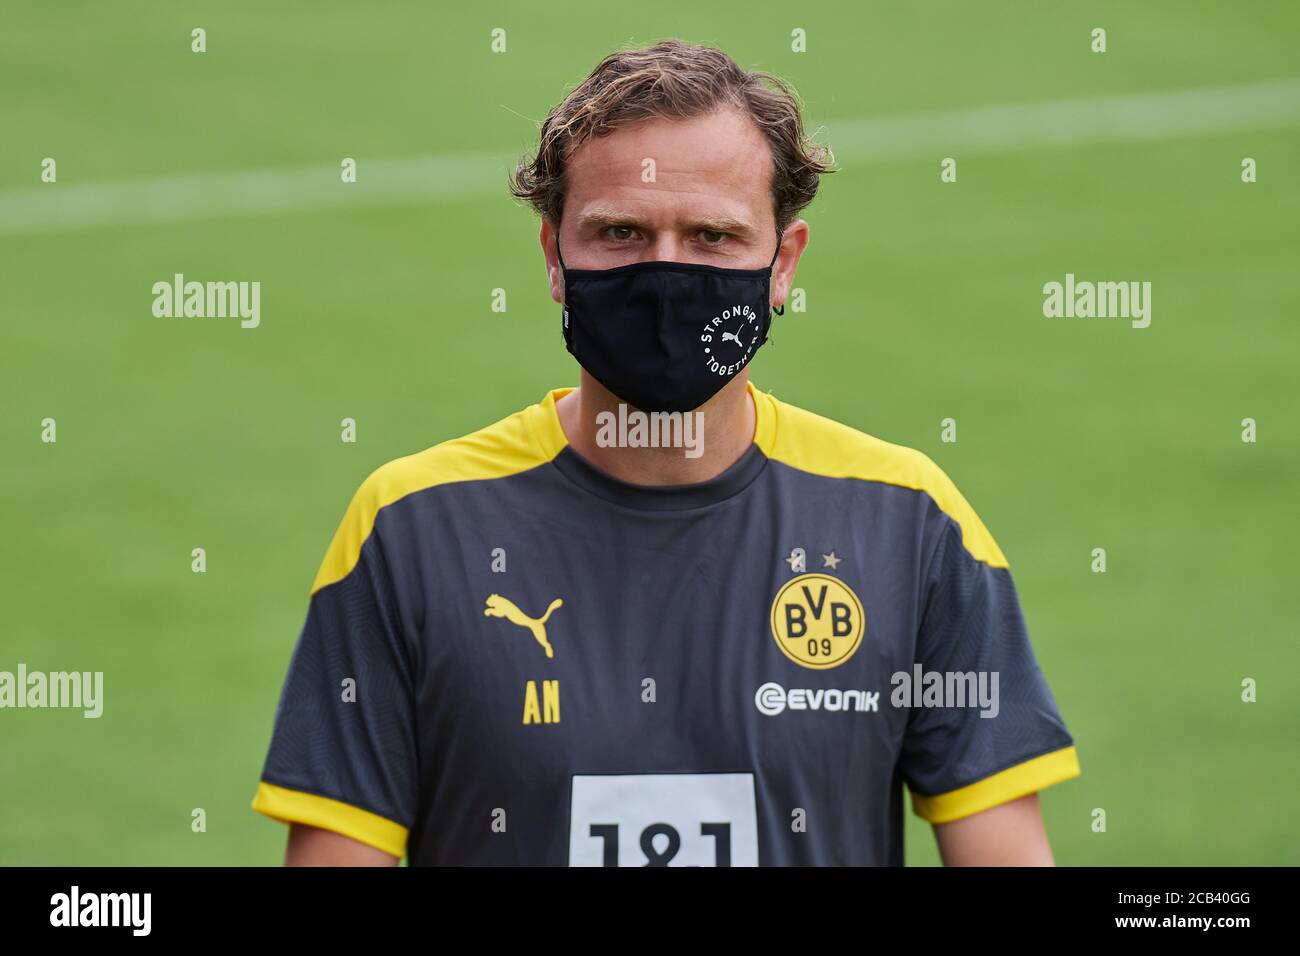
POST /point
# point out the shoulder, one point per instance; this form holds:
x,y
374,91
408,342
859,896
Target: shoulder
x,y
503,448
821,446
507,447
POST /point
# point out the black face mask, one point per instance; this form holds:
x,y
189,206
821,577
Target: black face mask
x,y
665,336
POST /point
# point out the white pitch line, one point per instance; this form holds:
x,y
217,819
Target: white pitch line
x,y
1130,118
62,207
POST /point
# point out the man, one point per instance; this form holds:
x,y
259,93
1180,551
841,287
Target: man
x,y
550,643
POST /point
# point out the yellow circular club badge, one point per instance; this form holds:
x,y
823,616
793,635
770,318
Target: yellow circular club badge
x,y
817,621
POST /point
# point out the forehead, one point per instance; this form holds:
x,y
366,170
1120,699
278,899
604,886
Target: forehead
x,y
663,170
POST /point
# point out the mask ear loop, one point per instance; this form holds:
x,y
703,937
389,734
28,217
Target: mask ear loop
x,y
780,237
564,329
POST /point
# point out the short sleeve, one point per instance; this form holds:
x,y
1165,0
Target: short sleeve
x,y
961,760
343,755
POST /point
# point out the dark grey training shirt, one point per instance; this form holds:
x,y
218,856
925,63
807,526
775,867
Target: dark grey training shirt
x,y
511,657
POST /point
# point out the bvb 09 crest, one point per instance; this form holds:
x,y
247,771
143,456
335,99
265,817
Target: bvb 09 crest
x,y
817,621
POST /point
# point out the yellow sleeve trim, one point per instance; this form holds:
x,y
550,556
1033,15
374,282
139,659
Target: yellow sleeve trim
x,y
514,444
294,806
811,443
1011,784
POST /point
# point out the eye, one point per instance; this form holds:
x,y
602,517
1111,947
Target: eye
x,y
620,233
712,237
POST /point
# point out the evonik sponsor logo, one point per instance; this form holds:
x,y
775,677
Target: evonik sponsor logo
x,y
772,699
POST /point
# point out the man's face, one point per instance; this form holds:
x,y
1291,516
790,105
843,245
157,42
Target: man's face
x,y
694,190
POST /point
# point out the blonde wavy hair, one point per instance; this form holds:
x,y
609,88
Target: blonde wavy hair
x,y
674,80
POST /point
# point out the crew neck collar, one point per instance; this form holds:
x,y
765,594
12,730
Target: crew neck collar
x,y
555,447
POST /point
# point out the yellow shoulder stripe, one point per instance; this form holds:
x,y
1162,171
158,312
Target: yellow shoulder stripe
x,y
809,442
294,806
1011,784
515,444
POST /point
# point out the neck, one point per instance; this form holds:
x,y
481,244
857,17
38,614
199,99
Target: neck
x,y
722,429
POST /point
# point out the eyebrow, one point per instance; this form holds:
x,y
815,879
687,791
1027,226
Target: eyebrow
x,y
604,218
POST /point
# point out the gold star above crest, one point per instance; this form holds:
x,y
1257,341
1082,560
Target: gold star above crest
x,y
830,561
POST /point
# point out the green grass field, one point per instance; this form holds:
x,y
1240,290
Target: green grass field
x,y
924,303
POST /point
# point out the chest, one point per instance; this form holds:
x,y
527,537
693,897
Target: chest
x,y
752,632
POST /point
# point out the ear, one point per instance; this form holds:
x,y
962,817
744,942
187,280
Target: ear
x,y
554,273
793,243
